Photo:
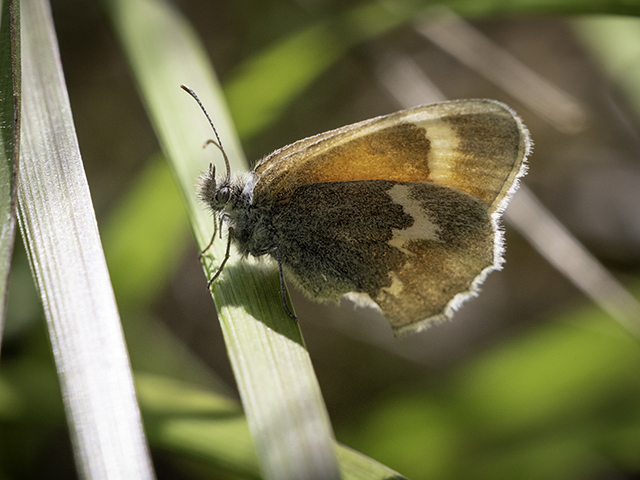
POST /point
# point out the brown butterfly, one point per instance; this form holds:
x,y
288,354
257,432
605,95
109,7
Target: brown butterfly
x,y
400,211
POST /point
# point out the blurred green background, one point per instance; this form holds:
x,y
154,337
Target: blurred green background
x,y
529,381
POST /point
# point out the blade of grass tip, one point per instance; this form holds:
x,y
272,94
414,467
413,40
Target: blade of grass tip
x,y
356,466
60,232
282,400
9,140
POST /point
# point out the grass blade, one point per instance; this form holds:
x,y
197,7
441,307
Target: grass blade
x,y
185,418
280,394
9,135
61,236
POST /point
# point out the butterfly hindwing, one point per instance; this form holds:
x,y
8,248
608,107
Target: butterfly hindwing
x,y
409,246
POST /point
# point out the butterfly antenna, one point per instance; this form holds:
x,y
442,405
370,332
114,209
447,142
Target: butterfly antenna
x,y
217,142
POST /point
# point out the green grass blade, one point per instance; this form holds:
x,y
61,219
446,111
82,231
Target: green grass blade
x,y
9,135
61,236
184,418
282,400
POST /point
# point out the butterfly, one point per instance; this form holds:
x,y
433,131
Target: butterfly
x,y
400,212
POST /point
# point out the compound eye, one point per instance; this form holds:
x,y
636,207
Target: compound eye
x,y
222,195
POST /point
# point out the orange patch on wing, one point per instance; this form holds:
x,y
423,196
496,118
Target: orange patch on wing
x,y
399,153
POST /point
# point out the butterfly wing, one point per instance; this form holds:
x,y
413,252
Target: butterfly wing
x,y
401,208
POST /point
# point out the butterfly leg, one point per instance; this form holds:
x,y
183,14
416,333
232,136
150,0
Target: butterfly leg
x,y
283,288
213,237
226,257
220,221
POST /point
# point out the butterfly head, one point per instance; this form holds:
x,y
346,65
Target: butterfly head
x,y
214,193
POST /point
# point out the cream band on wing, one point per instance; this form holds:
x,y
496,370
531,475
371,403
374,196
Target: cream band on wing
x,y
422,228
443,155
